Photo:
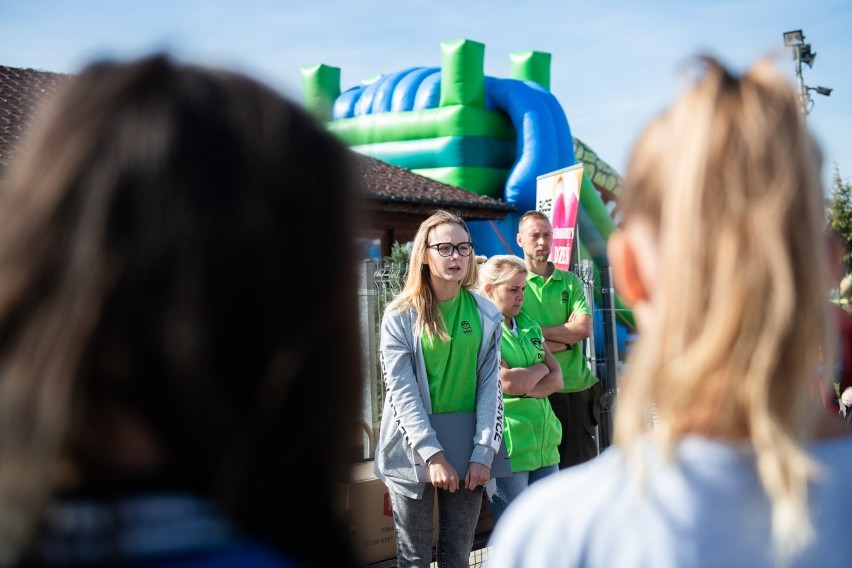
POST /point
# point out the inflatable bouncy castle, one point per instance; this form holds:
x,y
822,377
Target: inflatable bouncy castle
x,y
492,136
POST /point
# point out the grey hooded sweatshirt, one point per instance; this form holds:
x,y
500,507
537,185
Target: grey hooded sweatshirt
x,y
405,425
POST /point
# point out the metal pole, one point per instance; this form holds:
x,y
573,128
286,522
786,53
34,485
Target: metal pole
x,y
367,298
586,270
804,96
610,372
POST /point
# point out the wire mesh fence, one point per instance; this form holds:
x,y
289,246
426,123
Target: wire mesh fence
x,y
382,281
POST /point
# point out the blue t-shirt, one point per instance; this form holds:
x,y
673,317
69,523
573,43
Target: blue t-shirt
x,y
709,509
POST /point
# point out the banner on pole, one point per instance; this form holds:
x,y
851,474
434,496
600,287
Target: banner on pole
x,y
558,197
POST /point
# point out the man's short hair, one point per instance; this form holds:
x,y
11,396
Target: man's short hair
x,y
533,214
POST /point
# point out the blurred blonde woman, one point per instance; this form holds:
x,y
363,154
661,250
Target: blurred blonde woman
x,y
721,257
440,351
529,373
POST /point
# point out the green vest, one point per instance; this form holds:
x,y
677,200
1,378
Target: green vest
x,y
531,429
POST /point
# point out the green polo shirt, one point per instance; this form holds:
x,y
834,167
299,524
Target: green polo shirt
x,y
525,348
551,302
451,365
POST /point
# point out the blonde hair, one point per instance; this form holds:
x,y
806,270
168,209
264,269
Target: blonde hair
x,y
498,269
726,177
417,292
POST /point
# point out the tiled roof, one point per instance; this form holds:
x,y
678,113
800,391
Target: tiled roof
x,y
398,189
21,91
387,187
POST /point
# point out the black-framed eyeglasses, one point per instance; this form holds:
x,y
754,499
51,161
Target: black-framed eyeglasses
x,y
446,249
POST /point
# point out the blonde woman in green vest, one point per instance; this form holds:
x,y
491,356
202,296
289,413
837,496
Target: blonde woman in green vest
x,y
529,373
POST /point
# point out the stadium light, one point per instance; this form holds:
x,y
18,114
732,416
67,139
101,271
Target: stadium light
x,y
825,91
802,53
796,37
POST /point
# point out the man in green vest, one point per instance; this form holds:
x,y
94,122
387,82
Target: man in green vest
x,y
555,299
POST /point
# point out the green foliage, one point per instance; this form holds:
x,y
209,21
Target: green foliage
x,y
839,213
400,253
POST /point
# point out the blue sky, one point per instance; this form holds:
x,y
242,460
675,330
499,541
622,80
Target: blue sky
x,y
615,63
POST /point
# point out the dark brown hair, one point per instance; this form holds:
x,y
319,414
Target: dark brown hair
x,y
175,245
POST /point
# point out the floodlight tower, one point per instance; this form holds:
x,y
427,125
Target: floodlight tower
x,y
802,53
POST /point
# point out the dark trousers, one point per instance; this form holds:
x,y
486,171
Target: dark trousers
x,y
458,514
578,412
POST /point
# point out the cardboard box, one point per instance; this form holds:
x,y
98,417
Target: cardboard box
x,y
367,507
368,510
485,523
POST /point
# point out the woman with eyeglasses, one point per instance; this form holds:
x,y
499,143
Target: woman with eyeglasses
x,y
440,354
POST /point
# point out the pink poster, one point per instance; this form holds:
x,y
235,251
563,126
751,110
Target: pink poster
x,y
558,196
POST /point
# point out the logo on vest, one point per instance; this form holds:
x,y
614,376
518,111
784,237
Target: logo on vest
x,y
466,329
